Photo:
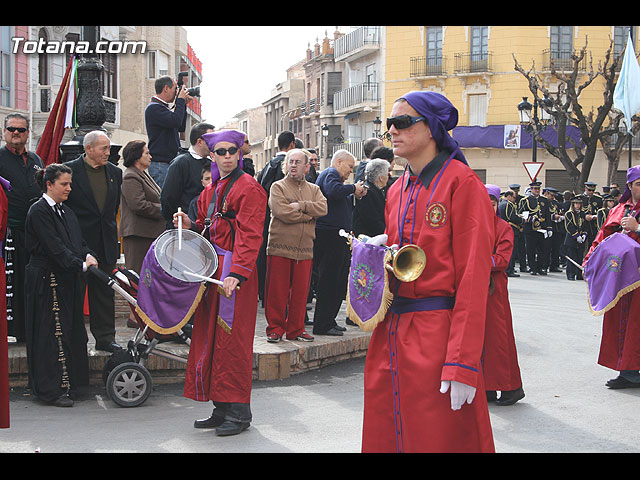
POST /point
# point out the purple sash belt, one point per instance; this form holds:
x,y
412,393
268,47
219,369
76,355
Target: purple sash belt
x,y
406,305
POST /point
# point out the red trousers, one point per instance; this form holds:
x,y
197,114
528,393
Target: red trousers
x,y
285,295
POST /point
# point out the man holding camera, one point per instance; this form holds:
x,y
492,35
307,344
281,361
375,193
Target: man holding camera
x,y
164,123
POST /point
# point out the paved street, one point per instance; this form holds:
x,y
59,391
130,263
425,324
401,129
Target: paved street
x,y
567,408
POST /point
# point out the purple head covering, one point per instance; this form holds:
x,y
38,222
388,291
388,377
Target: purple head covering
x,y
231,136
493,191
441,117
633,174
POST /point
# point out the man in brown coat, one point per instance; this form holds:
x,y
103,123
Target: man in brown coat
x,y
295,205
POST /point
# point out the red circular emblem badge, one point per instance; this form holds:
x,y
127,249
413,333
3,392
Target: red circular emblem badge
x,y
436,215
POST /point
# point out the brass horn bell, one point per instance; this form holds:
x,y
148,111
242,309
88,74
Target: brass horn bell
x,y
407,263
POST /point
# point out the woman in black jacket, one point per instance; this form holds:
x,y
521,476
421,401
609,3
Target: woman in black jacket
x,y
368,214
55,331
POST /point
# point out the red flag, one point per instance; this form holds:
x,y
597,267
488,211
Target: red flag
x,y
49,146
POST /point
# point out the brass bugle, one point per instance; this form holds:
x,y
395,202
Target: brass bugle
x,y
407,263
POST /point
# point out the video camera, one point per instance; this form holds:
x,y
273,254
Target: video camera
x,y
194,91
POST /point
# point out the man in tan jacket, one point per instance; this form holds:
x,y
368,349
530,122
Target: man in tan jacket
x,y
295,205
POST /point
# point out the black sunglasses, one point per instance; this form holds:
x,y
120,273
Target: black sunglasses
x,y
19,129
403,121
223,151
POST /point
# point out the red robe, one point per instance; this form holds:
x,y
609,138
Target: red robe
x,y
620,343
220,363
4,347
500,358
411,353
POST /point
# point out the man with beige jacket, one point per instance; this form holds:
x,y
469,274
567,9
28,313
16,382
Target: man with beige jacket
x,y
295,205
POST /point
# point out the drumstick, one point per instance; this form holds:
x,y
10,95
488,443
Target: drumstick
x,y
206,279
571,260
179,228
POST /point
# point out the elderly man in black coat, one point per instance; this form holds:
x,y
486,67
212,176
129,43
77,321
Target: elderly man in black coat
x,y
95,199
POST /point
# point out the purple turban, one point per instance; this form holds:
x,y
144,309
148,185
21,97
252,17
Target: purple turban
x,y
633,174
231,136
441,116
493,191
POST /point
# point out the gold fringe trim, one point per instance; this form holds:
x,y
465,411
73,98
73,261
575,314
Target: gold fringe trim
x,y
166,331
387,299
224,325
615,301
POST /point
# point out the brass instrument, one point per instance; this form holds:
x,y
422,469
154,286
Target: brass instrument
x,y
407,263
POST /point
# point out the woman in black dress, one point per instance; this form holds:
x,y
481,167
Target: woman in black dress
x,y
55,330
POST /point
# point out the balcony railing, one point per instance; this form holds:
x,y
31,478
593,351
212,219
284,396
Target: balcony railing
x,y
312,106
429,66
362,93
473,62
354,148
561,60
355,40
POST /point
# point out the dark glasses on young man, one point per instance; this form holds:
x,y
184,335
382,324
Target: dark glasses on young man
x,y
18,129
403,121
223,151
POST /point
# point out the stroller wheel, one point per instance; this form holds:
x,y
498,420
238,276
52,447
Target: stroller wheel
x,y
129,384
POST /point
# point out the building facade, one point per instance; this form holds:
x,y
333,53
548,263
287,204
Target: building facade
x,y
473,66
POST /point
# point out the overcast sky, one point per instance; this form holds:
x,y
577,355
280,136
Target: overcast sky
x,y
241,65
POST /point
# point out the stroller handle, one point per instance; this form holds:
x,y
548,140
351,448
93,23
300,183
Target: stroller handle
x,y
110,282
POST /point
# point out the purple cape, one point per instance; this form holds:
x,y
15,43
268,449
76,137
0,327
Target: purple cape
x,y
613,270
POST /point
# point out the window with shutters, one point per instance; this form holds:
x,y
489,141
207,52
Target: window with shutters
x,y
477,110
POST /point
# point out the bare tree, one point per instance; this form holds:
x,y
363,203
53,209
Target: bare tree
x,y
563,104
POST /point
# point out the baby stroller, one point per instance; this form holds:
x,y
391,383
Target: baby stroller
x,y
127,380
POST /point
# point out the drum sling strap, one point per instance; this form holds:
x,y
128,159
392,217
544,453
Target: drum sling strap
x,y
235,175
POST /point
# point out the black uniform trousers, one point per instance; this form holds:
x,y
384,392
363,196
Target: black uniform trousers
x,y
333,258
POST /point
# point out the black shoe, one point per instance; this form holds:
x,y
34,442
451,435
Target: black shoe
x,y
511,397
621,382
231,428
348,321
571,278
534,273
108,347
341,328
212,421
542,272
524,270
492,395
62,401
332,331
512,275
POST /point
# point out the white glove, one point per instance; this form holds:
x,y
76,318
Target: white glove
x,y
580,238
378,239
460,393
549,233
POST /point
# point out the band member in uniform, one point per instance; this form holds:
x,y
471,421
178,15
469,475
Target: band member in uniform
x,y
536,226
231,212
423,363
512,218
591,203
520,249
608,202
620,343
554,242
575,237
56,335
500,357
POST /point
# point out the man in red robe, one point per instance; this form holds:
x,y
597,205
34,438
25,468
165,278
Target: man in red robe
x,y
620,343
500,357
231,212
423,364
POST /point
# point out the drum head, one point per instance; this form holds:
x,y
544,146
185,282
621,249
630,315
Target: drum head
x,y
196,255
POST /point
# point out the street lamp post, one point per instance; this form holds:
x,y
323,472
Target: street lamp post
x,y
533,123
325,141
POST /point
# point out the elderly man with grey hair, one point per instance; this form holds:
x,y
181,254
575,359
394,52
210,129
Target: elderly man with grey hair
x,y
331,250
95,199
368,213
